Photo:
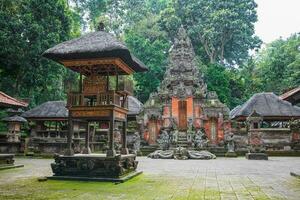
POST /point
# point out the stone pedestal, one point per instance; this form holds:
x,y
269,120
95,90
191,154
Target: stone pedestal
x,y
231,154
96,167
7,161
256,156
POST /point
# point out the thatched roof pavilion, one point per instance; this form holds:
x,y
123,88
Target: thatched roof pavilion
x,y
268,105
93,45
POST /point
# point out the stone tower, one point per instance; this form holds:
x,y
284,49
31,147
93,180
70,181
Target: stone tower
x,y
182,77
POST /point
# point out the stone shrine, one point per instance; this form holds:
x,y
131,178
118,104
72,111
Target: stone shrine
x,y
182,105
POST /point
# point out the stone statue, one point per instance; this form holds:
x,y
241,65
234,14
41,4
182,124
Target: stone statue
x,y
164,140
200,139
230,143
136,139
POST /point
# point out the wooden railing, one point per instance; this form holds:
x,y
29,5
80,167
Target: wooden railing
x,y
96,99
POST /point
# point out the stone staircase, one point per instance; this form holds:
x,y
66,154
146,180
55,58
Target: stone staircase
x,y
182,139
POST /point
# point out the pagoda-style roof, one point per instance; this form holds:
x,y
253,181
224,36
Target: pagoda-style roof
x,y
268,105
98,50
56,110
135,107
15,118
8,101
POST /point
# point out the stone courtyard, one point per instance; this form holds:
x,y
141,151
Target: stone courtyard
x,y
235,178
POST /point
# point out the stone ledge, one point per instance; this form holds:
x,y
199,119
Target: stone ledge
x,y
2,167
295,174
256,156
97,179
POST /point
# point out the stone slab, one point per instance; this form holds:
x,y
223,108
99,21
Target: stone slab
x,y
295,174
256,156
99,179
231,155
2,167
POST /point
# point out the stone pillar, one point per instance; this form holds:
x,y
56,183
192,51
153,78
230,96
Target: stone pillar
x,y
69,151
87,149
111,152
124,150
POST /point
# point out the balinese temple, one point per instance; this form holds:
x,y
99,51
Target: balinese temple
x,y
183,99
268,117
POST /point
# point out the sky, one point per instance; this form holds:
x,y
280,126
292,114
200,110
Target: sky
x,y
277,18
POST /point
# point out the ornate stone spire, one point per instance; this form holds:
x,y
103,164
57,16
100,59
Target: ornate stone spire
x,y
182,77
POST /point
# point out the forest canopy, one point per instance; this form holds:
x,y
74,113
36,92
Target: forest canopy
x,y
222,33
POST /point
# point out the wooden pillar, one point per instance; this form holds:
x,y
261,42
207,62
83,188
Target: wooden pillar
x,y
124,139
87,149
69,151
80,83
111,152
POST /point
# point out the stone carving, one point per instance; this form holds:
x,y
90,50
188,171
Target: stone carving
x,y
164,140
136,142
200,139
181,153
230,142
88,166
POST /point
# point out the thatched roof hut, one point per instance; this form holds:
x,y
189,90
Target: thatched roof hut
x,y
50,110
98,44
56,110
268,105
14,119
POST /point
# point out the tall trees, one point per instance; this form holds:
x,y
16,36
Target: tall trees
x,y
278,64
224,30
28,28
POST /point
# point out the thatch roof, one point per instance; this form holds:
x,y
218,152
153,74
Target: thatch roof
x,y
266,105
134,106
48,110
15,118
57,110
98,44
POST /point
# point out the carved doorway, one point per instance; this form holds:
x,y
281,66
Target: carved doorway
x,y
182,115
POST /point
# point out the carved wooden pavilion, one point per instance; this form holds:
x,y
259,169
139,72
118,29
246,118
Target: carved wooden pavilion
x,y
103,63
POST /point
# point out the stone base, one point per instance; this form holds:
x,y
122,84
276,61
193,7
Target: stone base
x,y
2,167
295,174
7,161
94,166
120,179
256,156
231,155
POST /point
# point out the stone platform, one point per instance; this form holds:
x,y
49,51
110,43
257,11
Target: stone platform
x,y
256,156
96,167
7,161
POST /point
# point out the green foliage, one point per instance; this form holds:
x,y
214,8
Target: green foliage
x,y
223,30
28,28
150,46
278,65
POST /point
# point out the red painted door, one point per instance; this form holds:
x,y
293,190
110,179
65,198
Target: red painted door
x,y
182,115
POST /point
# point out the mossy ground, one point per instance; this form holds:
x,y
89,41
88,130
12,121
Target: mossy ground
x,y
141,187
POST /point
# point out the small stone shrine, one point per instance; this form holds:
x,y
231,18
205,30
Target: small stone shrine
x,y
103,63
182,110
